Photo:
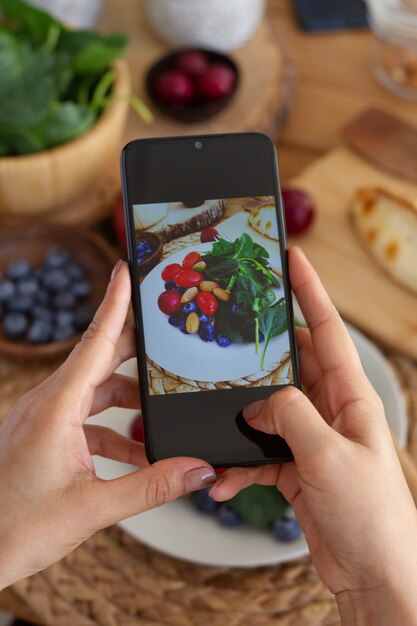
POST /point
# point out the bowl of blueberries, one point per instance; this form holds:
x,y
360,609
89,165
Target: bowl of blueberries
x,y
148,251
52,279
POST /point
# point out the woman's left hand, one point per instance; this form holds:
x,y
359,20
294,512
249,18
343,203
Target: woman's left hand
x,y
50,497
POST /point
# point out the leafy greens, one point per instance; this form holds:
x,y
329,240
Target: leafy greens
x,y
54,83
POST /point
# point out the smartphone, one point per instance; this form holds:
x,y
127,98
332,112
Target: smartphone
x,y
328,15
210,292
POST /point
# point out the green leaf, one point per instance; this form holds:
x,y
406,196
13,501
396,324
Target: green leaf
x,y
272,323
219,268
230,325
259,506
64,122
37,23
92,52
27,84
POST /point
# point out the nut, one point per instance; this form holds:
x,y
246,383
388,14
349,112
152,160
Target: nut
x,y
208,285
189,295
192,323
221,294
200,265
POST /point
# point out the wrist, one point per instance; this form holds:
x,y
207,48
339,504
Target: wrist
x,y
382,606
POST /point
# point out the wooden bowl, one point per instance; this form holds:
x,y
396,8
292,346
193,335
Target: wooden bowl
x,y
196,111
86,248
53,179
151,261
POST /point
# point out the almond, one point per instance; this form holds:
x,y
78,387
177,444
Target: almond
x,y
192,323
200,265
208,285
221,294
189,295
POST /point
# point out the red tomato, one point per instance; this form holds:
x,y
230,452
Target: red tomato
x,y
188,278
206,302
190,260
169,302
169,271
136,429
209,234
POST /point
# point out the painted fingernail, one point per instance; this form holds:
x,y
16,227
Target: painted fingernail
x,y
116,269
198,478
253,410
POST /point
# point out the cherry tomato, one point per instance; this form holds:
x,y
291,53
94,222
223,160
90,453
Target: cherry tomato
x,y
169,302
190,260
206,302
169,271
299,210
136,429
188,278
209,234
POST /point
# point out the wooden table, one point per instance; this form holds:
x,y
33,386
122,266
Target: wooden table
x,y
334,82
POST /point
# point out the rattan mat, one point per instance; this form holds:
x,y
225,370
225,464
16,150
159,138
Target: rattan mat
x,y
113,580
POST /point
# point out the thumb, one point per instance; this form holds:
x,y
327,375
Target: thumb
x,y
290,414
152,486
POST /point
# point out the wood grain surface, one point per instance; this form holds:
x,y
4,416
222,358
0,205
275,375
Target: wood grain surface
x,y
360,289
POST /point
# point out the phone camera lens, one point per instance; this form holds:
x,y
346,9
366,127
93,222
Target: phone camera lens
x,y
198,145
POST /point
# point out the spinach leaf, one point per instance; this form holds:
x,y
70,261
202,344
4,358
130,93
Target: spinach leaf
x,y
259,506
92,53
219,267
65,121
38,24
272,322
230,325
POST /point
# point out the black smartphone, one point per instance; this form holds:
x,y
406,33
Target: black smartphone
x,y
328,15
210,291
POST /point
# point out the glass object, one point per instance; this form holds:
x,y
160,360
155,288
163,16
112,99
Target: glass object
x,y
74,13
394,23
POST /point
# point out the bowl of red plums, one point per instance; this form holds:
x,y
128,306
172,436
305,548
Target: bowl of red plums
x,y
52,279
192,84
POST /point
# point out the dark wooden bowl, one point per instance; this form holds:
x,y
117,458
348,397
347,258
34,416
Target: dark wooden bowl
x,y
86,248
150,262
195,111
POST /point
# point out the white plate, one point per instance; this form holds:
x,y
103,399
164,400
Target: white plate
x,y
176,529
187,355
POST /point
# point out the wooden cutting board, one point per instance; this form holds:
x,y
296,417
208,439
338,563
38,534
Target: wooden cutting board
x,y
363,293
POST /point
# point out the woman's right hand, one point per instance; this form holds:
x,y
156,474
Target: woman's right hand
x,y
346,484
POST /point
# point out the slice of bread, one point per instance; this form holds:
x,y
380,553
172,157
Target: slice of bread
x,y
387,226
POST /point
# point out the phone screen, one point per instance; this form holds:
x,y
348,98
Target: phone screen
x,y
211,299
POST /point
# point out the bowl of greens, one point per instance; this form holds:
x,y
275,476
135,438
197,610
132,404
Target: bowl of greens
x,y
64,96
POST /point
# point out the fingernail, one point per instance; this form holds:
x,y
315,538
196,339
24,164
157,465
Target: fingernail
x,y
198,478
116,269
299,250
218,482
252,410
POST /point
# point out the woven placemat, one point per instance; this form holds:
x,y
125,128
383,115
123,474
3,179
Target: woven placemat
x,y
113,580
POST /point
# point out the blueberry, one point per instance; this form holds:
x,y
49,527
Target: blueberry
x,y
15,325
63,301
56,257
39,332
42,297
27,286
55,280
20,304
228,517
203,502
204,319
182,326
83,316
7,290
18,269
223,341
235,307
175,320
286,529
189,307
62,333
75,271
81,289
42,313
206,332
64,318
170,285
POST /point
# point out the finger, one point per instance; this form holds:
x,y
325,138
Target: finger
x,y
106,442
90,363
237,478
290,414
333,346
151,487
309,367
126,347
118,390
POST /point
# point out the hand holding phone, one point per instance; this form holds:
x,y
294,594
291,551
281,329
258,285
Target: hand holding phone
x,y
211,295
